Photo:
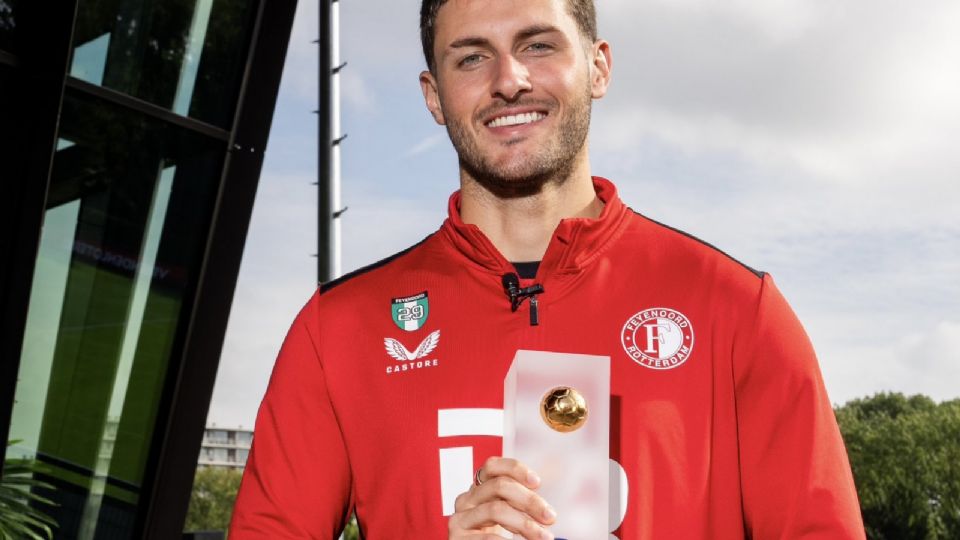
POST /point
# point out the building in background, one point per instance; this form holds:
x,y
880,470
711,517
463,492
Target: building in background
x,y
132,135
225,448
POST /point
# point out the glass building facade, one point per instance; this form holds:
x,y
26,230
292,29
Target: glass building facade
x,y
132,138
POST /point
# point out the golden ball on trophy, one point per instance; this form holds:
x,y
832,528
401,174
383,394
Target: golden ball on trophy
x,y
563,409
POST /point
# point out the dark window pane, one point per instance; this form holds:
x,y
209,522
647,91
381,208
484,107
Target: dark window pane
x,y
183,55
6,92
129,208
8,22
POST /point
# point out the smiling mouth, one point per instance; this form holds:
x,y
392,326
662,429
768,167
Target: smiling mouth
x,y
516,119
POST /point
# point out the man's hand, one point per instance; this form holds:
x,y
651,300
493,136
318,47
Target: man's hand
x,y
504,497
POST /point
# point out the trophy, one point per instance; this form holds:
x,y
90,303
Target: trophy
x,y
557,422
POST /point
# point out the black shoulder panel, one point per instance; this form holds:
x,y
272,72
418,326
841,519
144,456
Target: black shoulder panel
x,y
324,287
758,273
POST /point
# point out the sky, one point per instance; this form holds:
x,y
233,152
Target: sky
x,y
813,139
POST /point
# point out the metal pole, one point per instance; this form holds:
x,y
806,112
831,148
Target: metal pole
x,y
328,178
328,141
325,145
338,137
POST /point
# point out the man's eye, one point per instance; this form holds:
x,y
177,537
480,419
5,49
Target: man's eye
x,y
469,60
539,47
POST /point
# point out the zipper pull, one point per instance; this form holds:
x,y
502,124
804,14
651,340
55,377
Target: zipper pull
x,y
534,312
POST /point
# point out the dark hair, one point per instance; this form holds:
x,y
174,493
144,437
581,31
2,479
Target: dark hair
x,y
582,11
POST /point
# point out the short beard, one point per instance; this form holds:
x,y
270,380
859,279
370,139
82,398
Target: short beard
x,y
552,163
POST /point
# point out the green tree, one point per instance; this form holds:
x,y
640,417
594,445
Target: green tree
x,y
905,456
211,503
352,531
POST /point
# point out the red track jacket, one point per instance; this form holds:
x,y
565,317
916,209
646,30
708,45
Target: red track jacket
x,y
386,395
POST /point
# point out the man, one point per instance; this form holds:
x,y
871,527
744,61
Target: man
x,y
386,396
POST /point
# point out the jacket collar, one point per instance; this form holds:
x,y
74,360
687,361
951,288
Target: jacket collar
x,y
575,242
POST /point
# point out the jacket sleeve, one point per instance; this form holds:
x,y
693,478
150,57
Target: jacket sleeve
x,y
297,481
795,474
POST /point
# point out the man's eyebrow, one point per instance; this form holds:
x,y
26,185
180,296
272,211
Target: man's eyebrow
x,y
470,41
535,30
526,33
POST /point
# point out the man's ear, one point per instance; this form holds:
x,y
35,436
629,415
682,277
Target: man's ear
x,y
431,96
600,67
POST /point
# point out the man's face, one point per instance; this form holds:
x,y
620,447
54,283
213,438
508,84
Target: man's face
x,y
513,84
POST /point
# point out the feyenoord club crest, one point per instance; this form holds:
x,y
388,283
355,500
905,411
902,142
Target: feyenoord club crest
x,y
658,338
410,313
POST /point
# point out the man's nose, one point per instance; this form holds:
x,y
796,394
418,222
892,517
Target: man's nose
x,y
512,79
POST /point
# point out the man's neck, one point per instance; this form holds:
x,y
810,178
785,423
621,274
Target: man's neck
x,y
521,228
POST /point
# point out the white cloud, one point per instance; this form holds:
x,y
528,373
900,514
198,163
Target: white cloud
x,y
382,36
258,324
409,221
778,20
912,360
300,69
426,143
355,90
276,278
856,94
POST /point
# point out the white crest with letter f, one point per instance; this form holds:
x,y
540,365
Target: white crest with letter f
x,y
655,334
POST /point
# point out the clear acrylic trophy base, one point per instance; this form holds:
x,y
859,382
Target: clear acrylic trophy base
x,y
573,465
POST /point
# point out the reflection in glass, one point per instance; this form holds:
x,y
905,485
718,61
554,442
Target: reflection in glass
x,y
90,60
129,205
43,321
8,22
131,334
7,105
183,55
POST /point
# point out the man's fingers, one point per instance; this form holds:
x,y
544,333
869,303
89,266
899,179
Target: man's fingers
x,y
518,496
500,466
507,490
509,480
504,496
500,512
462,502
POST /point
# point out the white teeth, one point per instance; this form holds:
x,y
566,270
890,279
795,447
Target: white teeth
x,y
517,119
